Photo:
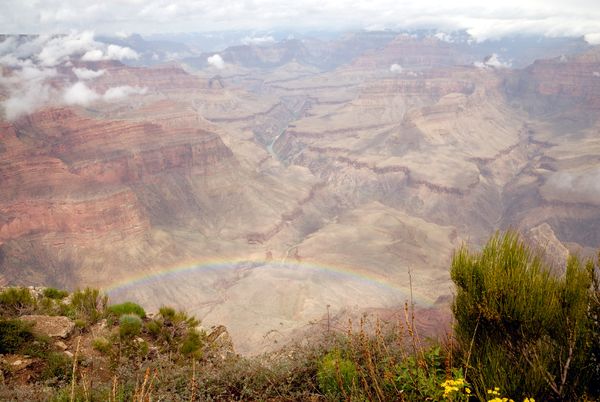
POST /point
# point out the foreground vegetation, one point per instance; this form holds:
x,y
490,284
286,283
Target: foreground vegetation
x,y
520,332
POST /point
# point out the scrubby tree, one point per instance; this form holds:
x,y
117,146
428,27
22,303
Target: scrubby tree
x,y
520,327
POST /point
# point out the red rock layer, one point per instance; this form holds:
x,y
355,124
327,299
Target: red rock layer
x,y
577,78
63,172
413,53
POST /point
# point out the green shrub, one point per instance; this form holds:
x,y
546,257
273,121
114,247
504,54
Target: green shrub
x,y
167,313
88,304
102,345
191,343
55,294
14,335
127,308
419,377
14,301
170,316
57,367
130,325
171,328
39,347
594,320
337,376
154,327
521,328
80,324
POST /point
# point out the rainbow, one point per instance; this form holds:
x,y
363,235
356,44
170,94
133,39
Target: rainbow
x,y
197,265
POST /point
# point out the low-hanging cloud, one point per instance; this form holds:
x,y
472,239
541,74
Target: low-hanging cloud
x,y
80,94
33,62
123,91
26,97
493,61
112,52
216,61
396,68
583,186
87,74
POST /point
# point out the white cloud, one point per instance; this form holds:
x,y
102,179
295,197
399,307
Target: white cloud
x,y
28,90
596,73
86,74
484,20
80,94
444,37
26,100
258,40
93,55
396,68
60,48
112,52
216,61
493,61
580,185
32,62
121,92
116,52
592,38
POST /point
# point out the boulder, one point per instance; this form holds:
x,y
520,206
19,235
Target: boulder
x,y
61,345
53,326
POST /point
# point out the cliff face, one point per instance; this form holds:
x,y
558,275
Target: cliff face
x,y
64,172
419,53
561,81
117,212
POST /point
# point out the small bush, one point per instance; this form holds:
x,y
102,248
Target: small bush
x,y
57,367
154,327
14,301
167,313
37,348
337,376
127,308
130,325
89,304
14,335
419,377
191,343
55,294
102,345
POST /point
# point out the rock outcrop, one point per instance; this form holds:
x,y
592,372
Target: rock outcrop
x,y
52,326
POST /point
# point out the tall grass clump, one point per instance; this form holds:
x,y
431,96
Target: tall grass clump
x,y
89,304
127,308
519,327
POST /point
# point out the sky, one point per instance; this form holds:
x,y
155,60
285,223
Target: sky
x,y
483,19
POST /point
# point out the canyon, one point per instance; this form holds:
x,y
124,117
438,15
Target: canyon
x,y
300,178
